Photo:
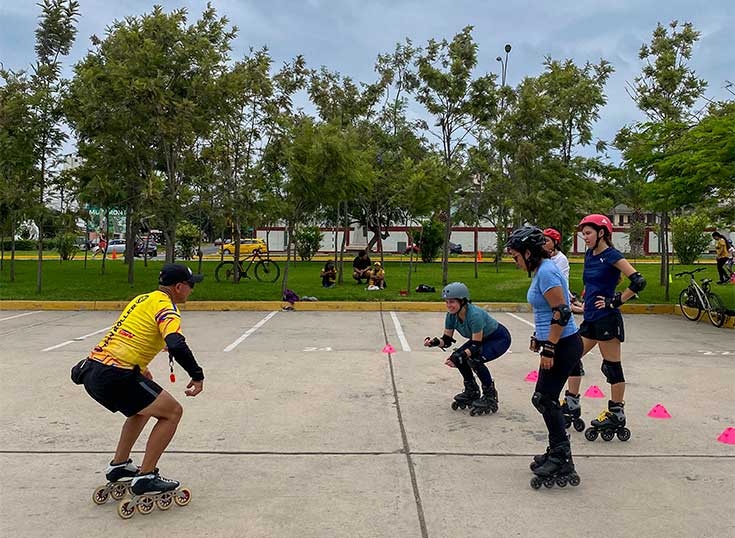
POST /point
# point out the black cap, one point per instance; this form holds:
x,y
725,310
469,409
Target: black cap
x,y
174,273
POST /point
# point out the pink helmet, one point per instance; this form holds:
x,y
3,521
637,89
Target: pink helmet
x,y
553,234
599,221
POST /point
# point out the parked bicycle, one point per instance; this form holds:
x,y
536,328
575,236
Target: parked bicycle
x,y
694,299
266,270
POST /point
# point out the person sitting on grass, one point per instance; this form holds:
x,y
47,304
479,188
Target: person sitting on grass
x,y
329,275
376,278
361,267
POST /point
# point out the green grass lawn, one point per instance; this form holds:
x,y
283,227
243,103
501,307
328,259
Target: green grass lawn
x,y
71,281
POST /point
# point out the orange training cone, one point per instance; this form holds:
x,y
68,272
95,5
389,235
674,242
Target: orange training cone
x,y
479,255
114,255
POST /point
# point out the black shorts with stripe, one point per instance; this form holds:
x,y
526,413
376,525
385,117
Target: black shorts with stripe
x,y
603,329
119,389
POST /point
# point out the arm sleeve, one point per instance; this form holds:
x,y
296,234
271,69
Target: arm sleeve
x,y
181,353
614,257
564,266
449,322
548,280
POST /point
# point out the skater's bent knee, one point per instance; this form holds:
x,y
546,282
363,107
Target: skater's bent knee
x,y
613,372
543,403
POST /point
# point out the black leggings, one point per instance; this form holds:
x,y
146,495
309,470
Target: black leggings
x,y
721,269
551,381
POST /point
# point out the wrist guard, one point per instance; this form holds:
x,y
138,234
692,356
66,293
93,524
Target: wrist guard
x,y
615,301
548,350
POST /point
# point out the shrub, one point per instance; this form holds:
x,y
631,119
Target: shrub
x,y
20,244
432,238
187,237
689,237
65,243
308,239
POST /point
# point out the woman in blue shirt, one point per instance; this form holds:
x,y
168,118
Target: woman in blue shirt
x,y
557,339
488,340
603,323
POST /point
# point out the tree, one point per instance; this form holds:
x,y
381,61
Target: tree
x,y
666,91
459,103
54,37
689,237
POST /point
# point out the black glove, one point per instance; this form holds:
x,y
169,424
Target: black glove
x,y
535,344
616,301
548,350
433,342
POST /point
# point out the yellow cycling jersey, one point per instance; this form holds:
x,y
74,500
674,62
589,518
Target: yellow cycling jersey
x,y
138,334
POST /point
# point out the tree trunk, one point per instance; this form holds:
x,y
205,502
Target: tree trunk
x,y
39,269
345,231
380,239
447,236
129,244
238,232
284,285
665,259
477,224
12,250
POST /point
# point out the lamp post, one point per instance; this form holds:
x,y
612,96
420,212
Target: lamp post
x,y
503,73
504,64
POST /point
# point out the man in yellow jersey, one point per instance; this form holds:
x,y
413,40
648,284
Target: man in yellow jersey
x,y
116,375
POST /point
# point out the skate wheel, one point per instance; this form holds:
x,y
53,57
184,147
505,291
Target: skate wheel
x,y
536,482
590,434
624,434
455,405
578,425
463,406
125,509
100,495
574,480
165,501
182,497
145,504
118,491
607,435
474,412
561,482
549,483
568,422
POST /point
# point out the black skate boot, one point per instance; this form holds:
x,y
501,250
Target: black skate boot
x,y
464,399
557,469
487,403
572,411
151,490
119,476
609,423
540,459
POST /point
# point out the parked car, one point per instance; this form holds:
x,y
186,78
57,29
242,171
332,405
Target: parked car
x,y
115,245
247,246
140,248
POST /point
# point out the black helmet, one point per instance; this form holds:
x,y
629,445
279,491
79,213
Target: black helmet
x,y
526,238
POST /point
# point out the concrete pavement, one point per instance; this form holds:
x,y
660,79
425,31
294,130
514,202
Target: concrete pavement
x,y
306,429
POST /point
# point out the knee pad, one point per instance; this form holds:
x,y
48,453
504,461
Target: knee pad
x,y
543,403
577,370
613,372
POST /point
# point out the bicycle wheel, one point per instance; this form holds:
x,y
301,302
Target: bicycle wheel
x,y
267,271
225,272
716,310
689,305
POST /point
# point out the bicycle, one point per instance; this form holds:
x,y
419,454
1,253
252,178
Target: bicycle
x,y
266,270
695,298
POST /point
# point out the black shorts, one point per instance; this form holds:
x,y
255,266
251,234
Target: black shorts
x,y
607,328
118,389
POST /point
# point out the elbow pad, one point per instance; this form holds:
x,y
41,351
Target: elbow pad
x,y
637,282
560,315
181,353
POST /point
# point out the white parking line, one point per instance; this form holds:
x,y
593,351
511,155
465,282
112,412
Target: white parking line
x,y
519,318
399,330
250,331
20,315
77,339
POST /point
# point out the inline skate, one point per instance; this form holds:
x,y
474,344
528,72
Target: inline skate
x,y
487,403
611,422
465,399
152,490
557,468
572,411
119,476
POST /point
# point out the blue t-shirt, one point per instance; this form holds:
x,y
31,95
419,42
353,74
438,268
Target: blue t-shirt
x,y
600,277
475,320
548,276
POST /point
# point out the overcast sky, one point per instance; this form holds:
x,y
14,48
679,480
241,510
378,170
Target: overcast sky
x,y
347,35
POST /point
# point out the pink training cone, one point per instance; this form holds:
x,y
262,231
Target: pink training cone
x,y
659,411
532,376
389,349
594,392
727,437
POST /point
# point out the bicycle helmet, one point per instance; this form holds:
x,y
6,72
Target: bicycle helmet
x,y
597,221
553,234
456,290
531,239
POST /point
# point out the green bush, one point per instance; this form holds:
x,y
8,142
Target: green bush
x,y
308,239
65,243
187,237
432,238
20,244
689,237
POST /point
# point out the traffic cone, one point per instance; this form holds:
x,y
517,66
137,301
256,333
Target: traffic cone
x,y
479,255
114,255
